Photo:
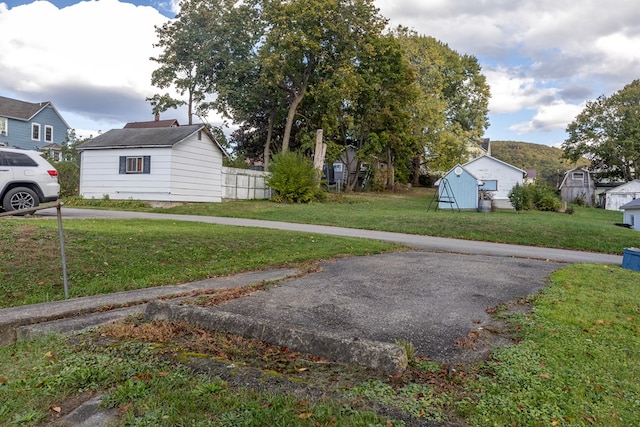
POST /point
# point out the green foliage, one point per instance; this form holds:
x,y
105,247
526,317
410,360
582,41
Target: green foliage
x,y
238,162
578,363
293,179
452,104
607,131
68,178
418,400
518,197
547,161
540,196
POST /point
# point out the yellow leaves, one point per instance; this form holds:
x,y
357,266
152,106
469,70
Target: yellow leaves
x,y
56,409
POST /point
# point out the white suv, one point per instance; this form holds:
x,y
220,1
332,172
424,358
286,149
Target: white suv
x,y
26,179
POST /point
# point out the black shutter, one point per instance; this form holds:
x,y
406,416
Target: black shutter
x,y
123,164
146,167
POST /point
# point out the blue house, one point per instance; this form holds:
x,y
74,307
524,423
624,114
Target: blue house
x,y
458,189
32,126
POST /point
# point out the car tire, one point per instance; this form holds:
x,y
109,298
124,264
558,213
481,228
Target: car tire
x,y
19,198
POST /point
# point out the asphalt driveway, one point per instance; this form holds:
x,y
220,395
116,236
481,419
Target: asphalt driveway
x,y
432,300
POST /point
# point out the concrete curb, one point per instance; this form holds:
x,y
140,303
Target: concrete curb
x,y
11,319
382,356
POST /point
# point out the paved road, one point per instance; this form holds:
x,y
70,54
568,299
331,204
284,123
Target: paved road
x,y
429,243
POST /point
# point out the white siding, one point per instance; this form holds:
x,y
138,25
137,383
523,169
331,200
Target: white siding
x,y
100,175
244,184
622,195
488,168
196,171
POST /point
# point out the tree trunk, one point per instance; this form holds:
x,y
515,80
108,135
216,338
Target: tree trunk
x,y
416,171
267,145
297,99
391,183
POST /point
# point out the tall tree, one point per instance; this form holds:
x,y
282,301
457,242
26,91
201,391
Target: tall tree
x,y
452,108
607,132
311,42
205,47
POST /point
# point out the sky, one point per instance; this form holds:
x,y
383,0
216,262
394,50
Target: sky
x,y
543,59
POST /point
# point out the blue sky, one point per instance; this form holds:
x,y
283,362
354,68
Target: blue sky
x,y
543,58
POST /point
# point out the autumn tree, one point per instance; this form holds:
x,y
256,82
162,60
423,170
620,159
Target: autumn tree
x,y
607,132
311,42
452,107
202,48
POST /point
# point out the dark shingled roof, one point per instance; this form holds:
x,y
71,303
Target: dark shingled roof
x,y
152,124
20,110
143,137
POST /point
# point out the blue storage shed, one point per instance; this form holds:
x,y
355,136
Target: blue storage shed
x,y
458,189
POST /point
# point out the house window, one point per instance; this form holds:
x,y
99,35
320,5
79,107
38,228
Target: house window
x,y
490,185
4,126
135,164
35,131
578,176
48,133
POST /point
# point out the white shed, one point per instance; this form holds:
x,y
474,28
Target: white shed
x,y
622,194
498,178
170,164
631,214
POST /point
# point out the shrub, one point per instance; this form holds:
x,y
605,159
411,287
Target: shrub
x,y
540,196
293,179
519,198
68,178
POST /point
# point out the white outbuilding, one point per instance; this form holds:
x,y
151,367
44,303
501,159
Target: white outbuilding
x,y
167,164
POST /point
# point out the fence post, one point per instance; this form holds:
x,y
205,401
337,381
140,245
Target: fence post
x,y
62,253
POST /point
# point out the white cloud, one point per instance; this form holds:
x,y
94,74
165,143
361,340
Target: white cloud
x,y
90,59
550,117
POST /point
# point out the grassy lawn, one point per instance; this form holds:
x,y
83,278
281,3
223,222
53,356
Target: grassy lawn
x,y
576,362
587,229
105,256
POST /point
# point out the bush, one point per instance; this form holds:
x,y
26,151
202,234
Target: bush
x,y
293,179
540,196
68,178
518,198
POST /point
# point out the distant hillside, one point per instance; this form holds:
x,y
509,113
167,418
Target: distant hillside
x,y
547,161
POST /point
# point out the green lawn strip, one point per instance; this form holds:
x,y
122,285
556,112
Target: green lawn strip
x,y
587,229
578,363
42,379
105,256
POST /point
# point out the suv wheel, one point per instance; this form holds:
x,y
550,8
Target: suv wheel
x,y
19,198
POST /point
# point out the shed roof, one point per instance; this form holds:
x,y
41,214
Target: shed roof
x,y
627,187
145,137
631,205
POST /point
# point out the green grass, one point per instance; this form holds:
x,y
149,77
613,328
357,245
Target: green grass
x,y
106,256
577,364
41,378
588,229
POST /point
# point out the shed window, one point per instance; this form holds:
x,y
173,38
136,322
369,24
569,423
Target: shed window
x,y
578,176
35,131
48,133
135,164
490,185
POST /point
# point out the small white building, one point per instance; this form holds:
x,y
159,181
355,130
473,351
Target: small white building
x,y
616,197
167,164
631,214
498,178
